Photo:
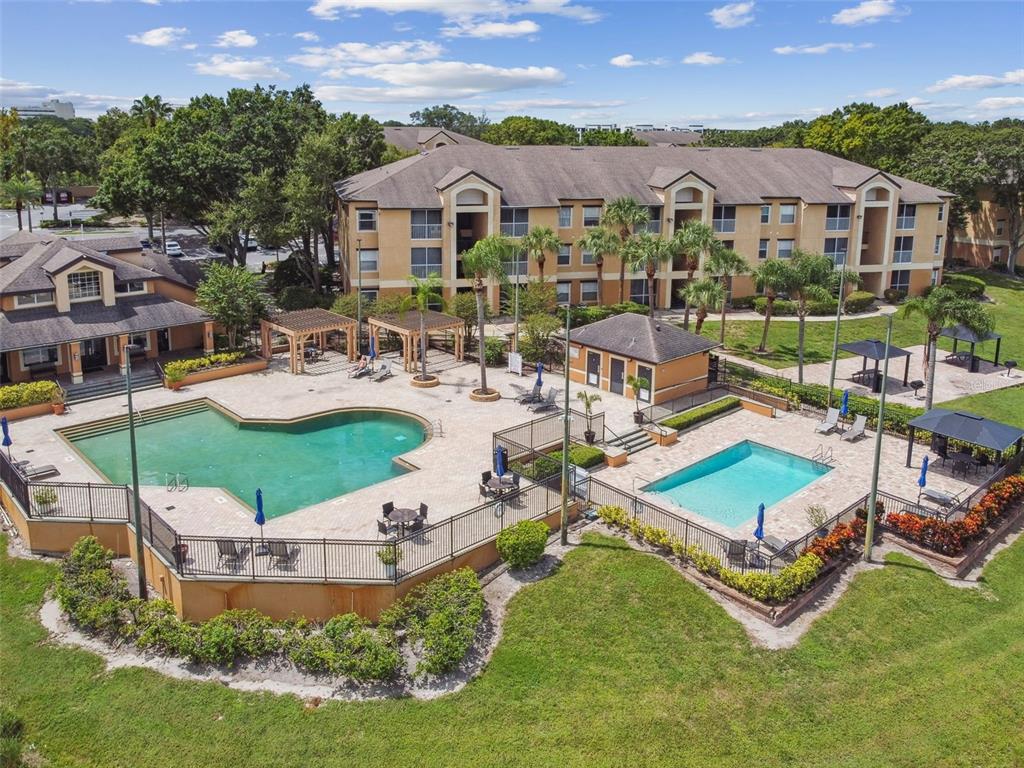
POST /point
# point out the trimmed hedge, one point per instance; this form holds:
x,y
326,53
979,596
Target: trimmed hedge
x,y
743,302
584,456
968,286
859,301
28,393
522,544
587,315
179,369
781,307
894,295
701,413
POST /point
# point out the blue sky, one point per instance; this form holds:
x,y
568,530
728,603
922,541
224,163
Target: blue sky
x,y
669,63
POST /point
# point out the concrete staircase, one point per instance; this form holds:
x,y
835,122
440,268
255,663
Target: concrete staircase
x,y
632,442
146,378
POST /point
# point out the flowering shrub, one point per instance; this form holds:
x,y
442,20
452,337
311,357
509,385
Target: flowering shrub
x,y
179,369
28,393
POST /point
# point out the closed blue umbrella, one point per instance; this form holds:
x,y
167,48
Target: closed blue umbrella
x,y
373,349
499,460
923,479
7,443
759,531
844,407
540,370
260,520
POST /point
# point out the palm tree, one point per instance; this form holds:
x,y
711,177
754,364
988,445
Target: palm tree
x,y
647,252
724,263
537,242
771,278
601,242
425,292
18,191
813,275
486,260
942,308
693,240
624,214
152,109
706,295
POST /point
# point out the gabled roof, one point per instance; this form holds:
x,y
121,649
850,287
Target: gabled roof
x,y
457,174
968,427
20,242
33,270
413,137
663,176
110,243
641,338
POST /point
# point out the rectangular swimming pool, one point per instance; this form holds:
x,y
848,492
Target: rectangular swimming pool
x,y
728,486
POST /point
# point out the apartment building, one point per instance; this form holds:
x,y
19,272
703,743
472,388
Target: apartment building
x,y
415,138
417,215
988,233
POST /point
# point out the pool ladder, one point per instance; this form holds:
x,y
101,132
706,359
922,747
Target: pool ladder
x,y
176,481
822,455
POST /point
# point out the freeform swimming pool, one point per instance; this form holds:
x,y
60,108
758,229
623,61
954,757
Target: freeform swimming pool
x,y
728,486
295,463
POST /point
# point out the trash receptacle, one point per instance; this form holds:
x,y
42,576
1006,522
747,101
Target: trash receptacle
x,y
975,364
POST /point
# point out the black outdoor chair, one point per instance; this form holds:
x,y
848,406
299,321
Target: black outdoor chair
x,y
281,555
736,551
384,528
227,553
515,479
417,525
423,511
980,460
389,507
485,476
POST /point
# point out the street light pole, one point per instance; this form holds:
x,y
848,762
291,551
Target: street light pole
x,y
564,525
835,335
515,335
136,504
359,297
869,532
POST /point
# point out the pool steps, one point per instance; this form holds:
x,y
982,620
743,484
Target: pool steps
x,y
118,423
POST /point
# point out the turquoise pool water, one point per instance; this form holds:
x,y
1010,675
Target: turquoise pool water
x,y
296,464
728,486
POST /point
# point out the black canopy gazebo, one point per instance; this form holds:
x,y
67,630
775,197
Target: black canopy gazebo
x,y
962,333
967,428
873,349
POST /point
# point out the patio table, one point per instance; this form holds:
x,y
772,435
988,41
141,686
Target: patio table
x,y
961,459
499,484
403,516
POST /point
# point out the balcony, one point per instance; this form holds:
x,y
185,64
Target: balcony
x,y
837,224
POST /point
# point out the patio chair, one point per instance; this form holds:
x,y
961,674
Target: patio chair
x,y
548,404
281,555
981,460
515,479
384,372
830,422
735,551
388,507
417,525
228,553
777,546
533,396
385,528
485,476
36,473
423,511
361,369
857,430
942,498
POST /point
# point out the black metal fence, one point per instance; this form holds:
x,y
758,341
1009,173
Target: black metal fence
x,y
545,432
655,413
96,502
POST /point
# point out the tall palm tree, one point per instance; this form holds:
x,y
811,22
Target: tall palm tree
x,y
706,295
152,109
812,281
486,261
18,191
942,308
772,278
426,291
601,242
724,263
693,240
647,252
624,214
537,242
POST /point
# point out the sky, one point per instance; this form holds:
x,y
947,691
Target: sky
x,y
721,65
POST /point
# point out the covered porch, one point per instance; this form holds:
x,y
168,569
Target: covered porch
x,y
962,334
303,326
873,349
407,327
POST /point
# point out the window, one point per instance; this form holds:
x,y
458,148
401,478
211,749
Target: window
x,y
84,285
140,340
368,294
564,255
997,255
520,265
1000,227
766,214
436,305
784,249
588,291
426,224
565,216
367,220
723,218
900,279
787,213
905,215
938,244
762,249
942,211
515,221
728,244
935,276
586,257
130,286
562,292
903,252
837,218
37,297
39,356
591,215
426,261
369,259
654,222
836,248
638,290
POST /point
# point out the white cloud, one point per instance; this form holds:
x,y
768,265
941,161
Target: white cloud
x,y
150,2
458,78
458,9
881,93
223,65
787,50
160,37
627,61
869,12
401,26
15,93
344,54
994,103
516,105
189,46
975,82
703,59
488,29
732,16
236,38
309,37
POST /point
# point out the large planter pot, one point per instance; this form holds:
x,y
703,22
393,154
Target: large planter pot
x,y
482,396
589,435
425,383
175,385
27,411
221,372
638,417
58,408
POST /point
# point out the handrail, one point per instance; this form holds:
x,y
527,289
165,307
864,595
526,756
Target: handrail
x,y
63,392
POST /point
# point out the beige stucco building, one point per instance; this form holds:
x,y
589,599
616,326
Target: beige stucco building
x,y
988,234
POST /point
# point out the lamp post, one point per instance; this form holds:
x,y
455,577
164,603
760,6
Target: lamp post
x,y
359,297
515,333
835,335
869,532
564,524
136,505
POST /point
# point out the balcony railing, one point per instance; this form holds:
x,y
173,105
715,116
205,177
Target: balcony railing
x,y
837,224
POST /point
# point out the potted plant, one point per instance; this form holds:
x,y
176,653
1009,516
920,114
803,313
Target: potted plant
x,y
174,377
57,402
45,499
637,384
816,516
390,556
588,399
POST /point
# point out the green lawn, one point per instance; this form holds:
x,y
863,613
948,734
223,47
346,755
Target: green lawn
x,y
1006,405
616,660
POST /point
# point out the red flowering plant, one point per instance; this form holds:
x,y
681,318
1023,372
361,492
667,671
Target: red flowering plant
x,y
834,544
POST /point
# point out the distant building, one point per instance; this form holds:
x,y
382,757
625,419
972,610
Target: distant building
x,y
666,137
65,110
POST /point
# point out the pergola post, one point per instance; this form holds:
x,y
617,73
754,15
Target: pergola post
x,y
999,341
910,444
906,371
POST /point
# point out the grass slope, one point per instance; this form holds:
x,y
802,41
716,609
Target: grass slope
x,y
615,660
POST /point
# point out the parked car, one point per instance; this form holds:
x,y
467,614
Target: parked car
x,y
171,248
144,242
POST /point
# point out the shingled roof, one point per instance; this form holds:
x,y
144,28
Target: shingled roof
x,y
641,338
33,270
668,138
413,137
541,176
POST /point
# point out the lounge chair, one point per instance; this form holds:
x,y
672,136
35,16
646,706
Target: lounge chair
x,y
941,498
548,404
281,555
857,430
361,369
830,422
533,396
228,553
736,551
384,372
35,473
777,546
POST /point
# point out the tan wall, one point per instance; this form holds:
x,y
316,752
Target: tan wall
x,y
672,379
174,291
57,537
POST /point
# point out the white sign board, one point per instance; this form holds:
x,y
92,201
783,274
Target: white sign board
x,y
515,363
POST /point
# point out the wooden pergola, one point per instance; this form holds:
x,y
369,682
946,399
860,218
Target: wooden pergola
x,y
407,326
305,325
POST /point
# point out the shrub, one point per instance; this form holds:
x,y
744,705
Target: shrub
x,y
494,350
743,302
894,295
89,591
522,544
28,393
701,413
45,496
179,369
301,297
859,301
781,307
823,306
232,635
584,456
586,315
967,286
358,650
612,515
